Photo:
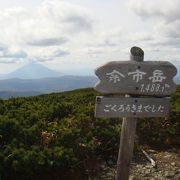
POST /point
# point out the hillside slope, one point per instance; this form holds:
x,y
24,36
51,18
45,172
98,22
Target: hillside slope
x,y
56,136
27,87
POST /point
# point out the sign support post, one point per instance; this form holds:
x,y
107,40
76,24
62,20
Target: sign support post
x,y
133,78
128,131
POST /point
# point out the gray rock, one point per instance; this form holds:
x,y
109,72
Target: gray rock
x,y
168,156
135,178
138,166
173,163
148,166
169,174
152,151
148,171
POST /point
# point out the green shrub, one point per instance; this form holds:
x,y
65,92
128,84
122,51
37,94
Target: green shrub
x,y
56,136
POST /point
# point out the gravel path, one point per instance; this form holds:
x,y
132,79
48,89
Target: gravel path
x,y
167,166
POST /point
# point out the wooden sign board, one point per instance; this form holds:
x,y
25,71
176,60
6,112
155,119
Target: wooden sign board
x,y
131,107
153,78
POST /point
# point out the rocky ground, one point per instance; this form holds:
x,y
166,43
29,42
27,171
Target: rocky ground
x,y
167,166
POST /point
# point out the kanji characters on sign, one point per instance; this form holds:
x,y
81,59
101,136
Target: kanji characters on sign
x,y
157,76
137,75
115,76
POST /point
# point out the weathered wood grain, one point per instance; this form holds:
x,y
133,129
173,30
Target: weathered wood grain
x,y
128,131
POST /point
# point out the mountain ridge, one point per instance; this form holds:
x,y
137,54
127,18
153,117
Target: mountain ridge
x,y
31,71
21,87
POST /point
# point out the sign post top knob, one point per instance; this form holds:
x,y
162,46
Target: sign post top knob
x,y
136,54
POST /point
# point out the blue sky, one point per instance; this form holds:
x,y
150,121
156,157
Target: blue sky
x,y
76,36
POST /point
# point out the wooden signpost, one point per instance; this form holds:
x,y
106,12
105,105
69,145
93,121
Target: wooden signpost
x,y
134,79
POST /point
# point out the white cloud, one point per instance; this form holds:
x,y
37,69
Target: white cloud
x,y
60,31
166,9
141,36
48,54
54,23
66,17
11,60
164,15
12,53
108,38
60,53
100,42
47,41
3,47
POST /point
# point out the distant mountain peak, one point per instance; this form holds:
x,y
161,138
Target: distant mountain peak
x,y
32,70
